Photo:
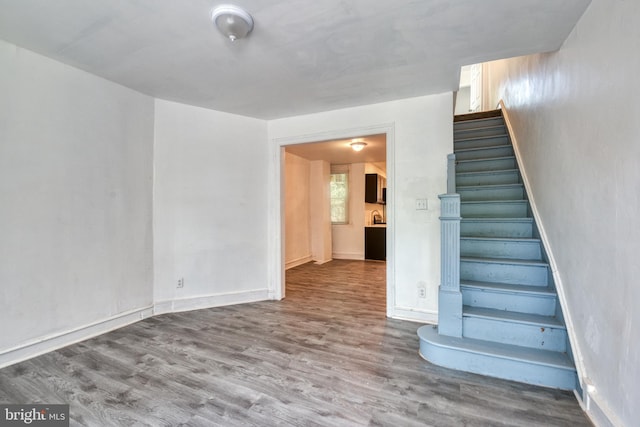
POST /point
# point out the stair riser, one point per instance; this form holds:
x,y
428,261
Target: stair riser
x,y
510,301
516,274
479,132
524,335
480,123
493,210
486,165
488,141
500,249
498,367
496,229
502,193
485,153
488,178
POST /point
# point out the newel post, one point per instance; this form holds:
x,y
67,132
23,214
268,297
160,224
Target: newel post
x,y
450,297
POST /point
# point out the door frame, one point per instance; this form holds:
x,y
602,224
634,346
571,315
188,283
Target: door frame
x,y
275,214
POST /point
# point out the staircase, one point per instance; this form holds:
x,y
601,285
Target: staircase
x,y
512,325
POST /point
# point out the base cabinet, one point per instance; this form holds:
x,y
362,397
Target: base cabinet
x,y
375,243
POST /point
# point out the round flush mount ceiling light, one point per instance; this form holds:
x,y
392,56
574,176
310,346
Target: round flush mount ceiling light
x,y
233,22
357,144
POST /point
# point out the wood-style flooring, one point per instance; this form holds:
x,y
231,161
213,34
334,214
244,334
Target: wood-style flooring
x,y
324,356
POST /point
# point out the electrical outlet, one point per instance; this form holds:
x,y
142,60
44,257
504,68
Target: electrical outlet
x,y
422,293
421,204
180,283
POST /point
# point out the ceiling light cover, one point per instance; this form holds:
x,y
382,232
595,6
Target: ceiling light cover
x,y
358,146
233,22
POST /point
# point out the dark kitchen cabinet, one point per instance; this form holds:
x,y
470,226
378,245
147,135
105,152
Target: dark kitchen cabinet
x,y
374,186
375,243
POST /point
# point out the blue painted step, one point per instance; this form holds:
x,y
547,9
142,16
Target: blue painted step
x,y
481,141
480,123
491,192
531,366
475,132
491,164
500,247
508,176
509,297
494,209
506,327
497,270
505,150
497,227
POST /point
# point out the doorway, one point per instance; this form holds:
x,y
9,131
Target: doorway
x,y
292,146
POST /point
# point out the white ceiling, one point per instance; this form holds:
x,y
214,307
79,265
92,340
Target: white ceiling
x,y
303,56
339,151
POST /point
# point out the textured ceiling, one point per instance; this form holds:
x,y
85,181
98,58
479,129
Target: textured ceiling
x,y
303,56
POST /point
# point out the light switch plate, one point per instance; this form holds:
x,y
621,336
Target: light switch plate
x,y
421,204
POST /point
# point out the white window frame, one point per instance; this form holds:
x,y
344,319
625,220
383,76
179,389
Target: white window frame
x,y
342,170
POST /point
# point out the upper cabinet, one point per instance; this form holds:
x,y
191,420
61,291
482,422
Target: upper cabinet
x,y
375,188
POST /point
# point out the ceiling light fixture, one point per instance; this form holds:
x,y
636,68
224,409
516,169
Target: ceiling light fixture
x,y
233,22
358,144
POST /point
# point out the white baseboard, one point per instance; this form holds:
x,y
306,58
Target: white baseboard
x,y
298,261
598,412
323,261
413,315
209,301
58,340
348,255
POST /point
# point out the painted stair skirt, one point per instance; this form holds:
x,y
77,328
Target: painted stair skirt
x,y
511,326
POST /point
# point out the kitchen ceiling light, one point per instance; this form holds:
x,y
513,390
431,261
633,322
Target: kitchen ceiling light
x,y
358,145
233,22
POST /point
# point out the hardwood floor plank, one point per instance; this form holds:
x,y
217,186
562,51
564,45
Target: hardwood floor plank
x,y
325,356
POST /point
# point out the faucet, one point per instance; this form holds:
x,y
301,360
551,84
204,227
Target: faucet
x,y
376,218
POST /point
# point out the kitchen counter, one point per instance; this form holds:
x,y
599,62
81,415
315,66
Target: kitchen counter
x,y
377,225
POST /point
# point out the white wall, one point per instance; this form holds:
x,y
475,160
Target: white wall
x,y
75,203
297,218
348,239
463,100
210,198
580,141
320,211
420,137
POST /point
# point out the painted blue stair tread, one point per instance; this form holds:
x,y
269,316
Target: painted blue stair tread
x,y
509,288
513,317
502,239
506,261
500,247
491,172
475,138
520,219
486,159
553,359
488,187
488,127
480,141
471,150
476,202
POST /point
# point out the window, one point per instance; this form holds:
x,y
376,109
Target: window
x,y
339,188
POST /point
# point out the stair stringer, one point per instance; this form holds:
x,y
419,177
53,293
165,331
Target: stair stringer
x,y
573,349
